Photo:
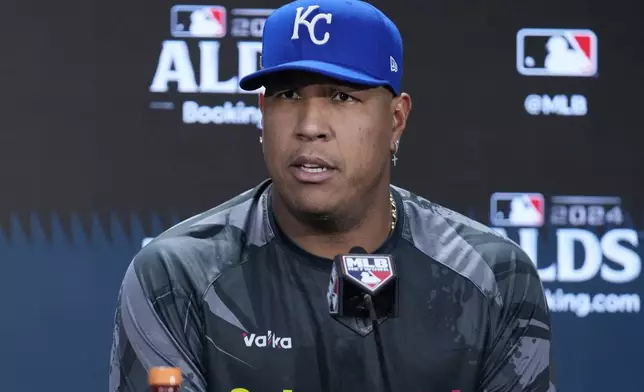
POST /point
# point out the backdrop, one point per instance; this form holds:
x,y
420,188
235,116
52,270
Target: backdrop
x,y
121,118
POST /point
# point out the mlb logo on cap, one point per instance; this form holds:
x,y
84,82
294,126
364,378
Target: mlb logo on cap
x,y
347,40
198,21
556,52
370,272
517,209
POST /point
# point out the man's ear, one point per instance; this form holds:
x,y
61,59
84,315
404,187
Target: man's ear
x,y
260,98
401,106
260,103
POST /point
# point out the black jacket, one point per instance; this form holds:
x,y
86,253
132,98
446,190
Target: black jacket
x,y
238,307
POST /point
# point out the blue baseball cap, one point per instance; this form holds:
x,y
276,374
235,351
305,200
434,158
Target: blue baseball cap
x,y
348,40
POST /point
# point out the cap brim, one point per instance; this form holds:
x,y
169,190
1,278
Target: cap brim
x,y
256,80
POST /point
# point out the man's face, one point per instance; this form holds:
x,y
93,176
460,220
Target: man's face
x,y
327,144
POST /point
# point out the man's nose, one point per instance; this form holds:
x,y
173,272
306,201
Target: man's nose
x,y
313,121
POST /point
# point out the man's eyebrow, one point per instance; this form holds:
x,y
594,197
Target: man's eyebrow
x,y
354,87
270,90
293,85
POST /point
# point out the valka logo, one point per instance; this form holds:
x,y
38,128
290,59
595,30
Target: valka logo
x,y
268,340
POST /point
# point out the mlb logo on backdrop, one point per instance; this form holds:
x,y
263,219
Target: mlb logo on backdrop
x,y
517,209
556,52
198,21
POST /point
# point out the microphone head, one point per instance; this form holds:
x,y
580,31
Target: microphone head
x,y
358,250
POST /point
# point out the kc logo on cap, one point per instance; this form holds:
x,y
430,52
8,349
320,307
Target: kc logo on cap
x,y
301,19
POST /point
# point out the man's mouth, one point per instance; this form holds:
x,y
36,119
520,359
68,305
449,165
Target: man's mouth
x,y
312,168
312,163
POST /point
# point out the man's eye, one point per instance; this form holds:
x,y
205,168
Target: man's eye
x,y
288,94
343,97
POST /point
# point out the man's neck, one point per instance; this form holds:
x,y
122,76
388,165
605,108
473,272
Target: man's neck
x,y
369,232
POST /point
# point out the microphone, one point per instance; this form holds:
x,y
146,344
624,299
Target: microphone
x,y
363,285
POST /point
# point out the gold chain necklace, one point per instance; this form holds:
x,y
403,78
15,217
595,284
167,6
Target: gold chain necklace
x,y
393,211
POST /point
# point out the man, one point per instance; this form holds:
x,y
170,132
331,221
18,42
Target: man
x,y
237,296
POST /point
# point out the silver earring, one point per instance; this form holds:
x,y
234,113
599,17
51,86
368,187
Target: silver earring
x,y
394,158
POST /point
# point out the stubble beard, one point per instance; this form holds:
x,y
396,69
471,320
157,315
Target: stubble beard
x,y
331,220
336,218
342,216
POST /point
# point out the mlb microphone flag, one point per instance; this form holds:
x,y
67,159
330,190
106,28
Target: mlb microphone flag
x,y
355,275
370,272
